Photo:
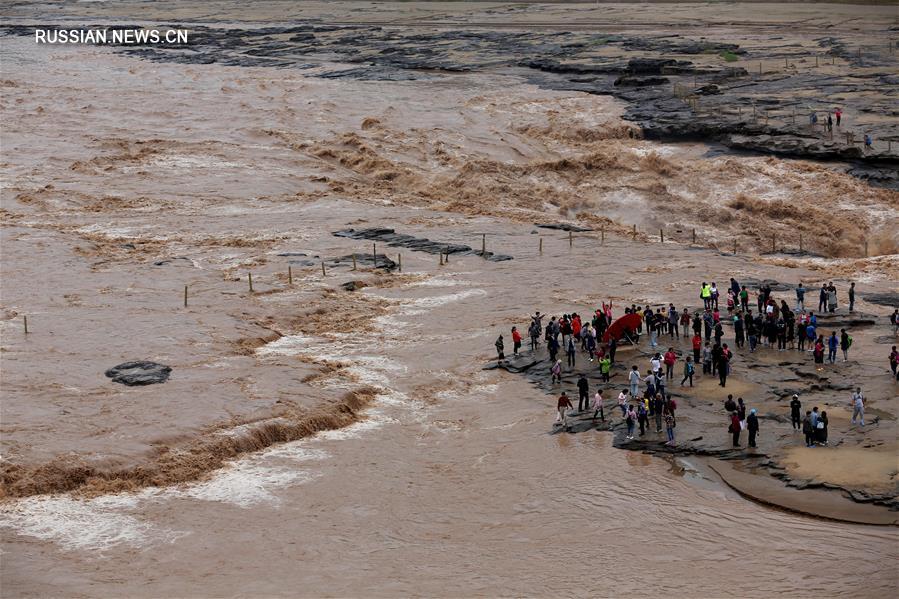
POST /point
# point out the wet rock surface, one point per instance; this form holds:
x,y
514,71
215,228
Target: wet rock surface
x,y
701,419
139,373
883,299
417,244
563,227
684,98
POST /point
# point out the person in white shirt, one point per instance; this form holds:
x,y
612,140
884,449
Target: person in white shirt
x,y
597,406
634,379
858,406
622,403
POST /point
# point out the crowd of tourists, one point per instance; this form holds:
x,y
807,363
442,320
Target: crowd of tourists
x,y
756,319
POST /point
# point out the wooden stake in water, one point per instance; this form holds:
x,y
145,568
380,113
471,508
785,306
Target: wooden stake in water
x,y
816,60
800,243
374,255
570,239
694,236
25,320
399,261
354,261
635,233
541,245
185,296
773,244
323,269
446,260
735,247
483,244
289,275
250,280
441,258
661,236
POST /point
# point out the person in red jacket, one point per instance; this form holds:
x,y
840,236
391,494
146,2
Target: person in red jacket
x,y
734,427
669,360
576,327
516,341
697,347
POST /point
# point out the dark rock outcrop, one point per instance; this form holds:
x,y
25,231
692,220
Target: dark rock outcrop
x,y
416,244
138,373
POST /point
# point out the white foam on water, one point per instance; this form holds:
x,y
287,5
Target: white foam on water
x,y
424,304
288,345
442,281
184,161
245,483
111,232
295,451
357,429
96,524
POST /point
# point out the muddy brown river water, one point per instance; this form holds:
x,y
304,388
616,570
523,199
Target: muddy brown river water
x,y
125,181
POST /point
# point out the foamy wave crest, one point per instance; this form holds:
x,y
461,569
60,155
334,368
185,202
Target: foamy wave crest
x,y
96,524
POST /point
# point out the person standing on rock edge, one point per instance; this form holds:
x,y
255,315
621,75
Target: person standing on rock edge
x,y
845,343
583,393
556,372
689,369
822,428
658,408
796,413
752,425
634,380
570,351
597,406
838,113
800,298
685,321
808,430
822,299
832,344
734,428
670,423
552,346
669,360
622,402
894,362
534,336
605,367
723,366
858,407
516,341
642,419
613,345
499,349
801,333
563,406
631,420
705,294
697,348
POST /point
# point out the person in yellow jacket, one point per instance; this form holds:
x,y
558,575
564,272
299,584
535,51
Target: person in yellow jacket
x,y
706,294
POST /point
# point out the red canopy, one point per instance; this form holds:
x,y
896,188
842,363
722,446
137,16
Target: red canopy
x,y
629,323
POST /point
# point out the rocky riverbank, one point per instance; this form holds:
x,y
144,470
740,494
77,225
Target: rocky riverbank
x,y
766,379
745,87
